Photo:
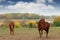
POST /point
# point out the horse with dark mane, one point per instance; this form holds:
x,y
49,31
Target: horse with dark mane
x,y
11,26
42,25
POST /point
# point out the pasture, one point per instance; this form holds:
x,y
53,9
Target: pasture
x,y
29,34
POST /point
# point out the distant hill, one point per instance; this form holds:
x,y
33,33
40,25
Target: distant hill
x,y
19,16
23,16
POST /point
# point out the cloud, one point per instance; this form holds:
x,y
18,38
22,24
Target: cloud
x,y
32,7
2,0
41,1
1,6
44,1
51,7
50,1
11,2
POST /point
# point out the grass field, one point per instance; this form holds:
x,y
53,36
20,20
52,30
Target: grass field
x,y
29,34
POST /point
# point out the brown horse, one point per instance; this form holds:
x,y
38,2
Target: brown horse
x,y
11,26
42,25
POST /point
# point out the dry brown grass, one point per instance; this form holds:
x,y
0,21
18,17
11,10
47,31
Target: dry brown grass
x,y
28,34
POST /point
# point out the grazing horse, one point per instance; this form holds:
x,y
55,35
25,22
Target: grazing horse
x,y
42,25
11,26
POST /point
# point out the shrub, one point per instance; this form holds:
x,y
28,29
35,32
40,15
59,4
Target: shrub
x,y
56,21
31,23
17,25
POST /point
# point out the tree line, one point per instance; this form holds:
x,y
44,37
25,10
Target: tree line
x,y
23,16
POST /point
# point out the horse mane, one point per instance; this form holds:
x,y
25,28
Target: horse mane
x,y
41,21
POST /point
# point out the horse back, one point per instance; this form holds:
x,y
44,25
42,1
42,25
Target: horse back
x,y
47,24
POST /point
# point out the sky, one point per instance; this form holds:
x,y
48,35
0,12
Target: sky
x,y
41,7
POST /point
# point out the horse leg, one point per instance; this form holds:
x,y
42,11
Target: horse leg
x,y
47,30
11,31
40,33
